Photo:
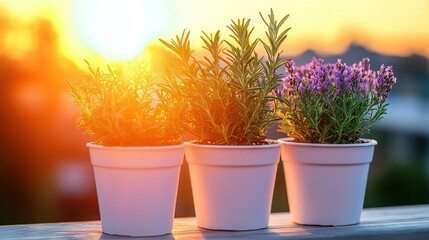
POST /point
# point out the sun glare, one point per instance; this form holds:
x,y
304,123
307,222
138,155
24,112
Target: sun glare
x,y
119,30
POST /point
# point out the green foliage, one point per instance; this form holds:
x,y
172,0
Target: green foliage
x,y
332,103
229,90
339,120
124,107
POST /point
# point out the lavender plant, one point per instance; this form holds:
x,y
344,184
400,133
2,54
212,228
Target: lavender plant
x,y
124,107
332,103
229,91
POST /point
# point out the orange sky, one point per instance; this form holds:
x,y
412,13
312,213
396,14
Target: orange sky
x,y
394,27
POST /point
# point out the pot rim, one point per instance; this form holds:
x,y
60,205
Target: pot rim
x,y
272,144
132,148
366,143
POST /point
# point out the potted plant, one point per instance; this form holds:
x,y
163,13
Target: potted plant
x,y
136,150
325,110
229,94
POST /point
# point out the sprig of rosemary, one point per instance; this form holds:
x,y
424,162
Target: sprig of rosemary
x,y
229,90
124,107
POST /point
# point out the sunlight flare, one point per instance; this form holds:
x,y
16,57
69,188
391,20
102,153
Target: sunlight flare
x,y
119,30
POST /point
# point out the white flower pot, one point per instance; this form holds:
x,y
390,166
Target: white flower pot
x,y
136,188
232,185
326,182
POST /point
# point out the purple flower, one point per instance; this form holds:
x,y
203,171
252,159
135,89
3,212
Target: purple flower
x,y
384,83
330,97
365,64
290,65
342,80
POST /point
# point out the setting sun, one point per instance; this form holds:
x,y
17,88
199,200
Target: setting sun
x,y
115,30
119,30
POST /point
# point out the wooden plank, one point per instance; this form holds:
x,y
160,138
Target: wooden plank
x,y
405,222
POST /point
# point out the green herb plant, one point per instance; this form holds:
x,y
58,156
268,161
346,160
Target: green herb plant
x,y
123,106
333,103
229,90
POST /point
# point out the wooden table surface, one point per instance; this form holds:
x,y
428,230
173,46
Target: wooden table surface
x,y
401,222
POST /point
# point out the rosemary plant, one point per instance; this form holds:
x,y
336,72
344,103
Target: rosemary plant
x,y
229,90
333,103
124,107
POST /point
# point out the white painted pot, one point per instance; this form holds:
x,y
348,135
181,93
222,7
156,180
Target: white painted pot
x,y
136,188
326,182
232,185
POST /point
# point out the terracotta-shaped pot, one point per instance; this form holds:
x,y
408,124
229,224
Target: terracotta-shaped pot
x,y
136,188
232,185
326,182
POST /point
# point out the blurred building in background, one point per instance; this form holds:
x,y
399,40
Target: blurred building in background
x,y
45,172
